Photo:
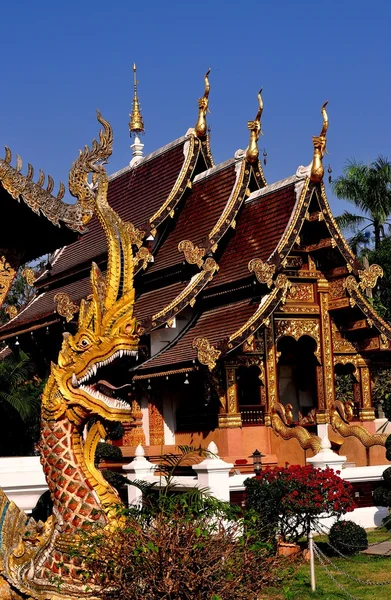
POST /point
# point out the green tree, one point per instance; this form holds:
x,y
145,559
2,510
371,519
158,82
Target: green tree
x,y
20,405
368,187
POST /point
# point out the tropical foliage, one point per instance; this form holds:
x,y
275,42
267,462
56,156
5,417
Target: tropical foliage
x,y
179,544
368,187
20,404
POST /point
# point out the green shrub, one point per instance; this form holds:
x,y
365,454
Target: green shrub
x,y
382,496
348,537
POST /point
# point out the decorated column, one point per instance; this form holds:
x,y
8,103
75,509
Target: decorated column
x,y
367,412
271,372
231,417
323,415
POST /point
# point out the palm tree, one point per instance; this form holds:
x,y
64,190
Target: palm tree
x,y
20,403
368,187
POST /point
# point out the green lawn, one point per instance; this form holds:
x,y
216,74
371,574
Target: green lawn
x,y
368,568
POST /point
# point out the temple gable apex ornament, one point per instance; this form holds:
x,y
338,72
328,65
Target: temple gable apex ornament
x,y
201,128
252,151
319,142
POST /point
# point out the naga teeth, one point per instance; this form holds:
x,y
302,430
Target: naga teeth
x,y
74,380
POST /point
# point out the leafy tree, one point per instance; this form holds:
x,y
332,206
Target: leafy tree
x,y
21,293
20,405
368,187
382,256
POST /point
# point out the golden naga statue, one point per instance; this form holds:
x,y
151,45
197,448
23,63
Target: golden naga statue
x,y
252,151
319,142
282,424
342,414
35,558
203,107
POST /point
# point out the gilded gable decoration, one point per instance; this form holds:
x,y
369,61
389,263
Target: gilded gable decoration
x,y
65,307
368,277
317,168
252,152
263,271
203,107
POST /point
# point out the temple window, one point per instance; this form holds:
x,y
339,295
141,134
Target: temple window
x,y
249,395
347,388
297,376
197,404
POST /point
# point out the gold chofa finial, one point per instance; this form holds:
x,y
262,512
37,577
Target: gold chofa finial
x,y
136,124
252,151
317,168
203,104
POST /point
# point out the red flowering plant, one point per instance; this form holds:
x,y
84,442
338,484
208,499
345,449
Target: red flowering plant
x,y
289,501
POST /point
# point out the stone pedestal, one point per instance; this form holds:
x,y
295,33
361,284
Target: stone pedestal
x,y
213,473
327,458
139,469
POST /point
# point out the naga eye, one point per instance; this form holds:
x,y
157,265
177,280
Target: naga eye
x,y
84,343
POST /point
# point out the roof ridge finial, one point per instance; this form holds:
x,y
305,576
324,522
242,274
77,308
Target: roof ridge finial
x,y
252,152
203,107
136,124
319,142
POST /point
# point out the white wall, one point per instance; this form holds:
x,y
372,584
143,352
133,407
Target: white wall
x,y
22,480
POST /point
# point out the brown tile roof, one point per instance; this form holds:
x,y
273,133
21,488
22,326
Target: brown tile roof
x,y
135,194
214,324
198,216
43,306
151,302
260,227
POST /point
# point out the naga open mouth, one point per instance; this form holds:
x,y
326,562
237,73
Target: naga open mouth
x,y
95,383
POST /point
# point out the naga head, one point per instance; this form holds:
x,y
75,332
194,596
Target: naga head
x,y
319,143
203,107
107,330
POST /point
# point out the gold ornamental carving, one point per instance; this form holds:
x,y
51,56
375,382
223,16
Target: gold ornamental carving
x,y
7,276
263,271
341,344
296,328
271,368
327,358
337,288
65,307
366,392
136,124
319,142
144,257
193,254
254,127
301,292
200,128
368,277
206,353
11,311
29,274
156,422
232,390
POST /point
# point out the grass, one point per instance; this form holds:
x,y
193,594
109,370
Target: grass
x,y
374,569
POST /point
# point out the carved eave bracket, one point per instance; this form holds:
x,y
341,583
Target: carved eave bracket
x,y
207,354
41,200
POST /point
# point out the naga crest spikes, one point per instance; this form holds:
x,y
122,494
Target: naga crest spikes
x,y
319,142
203,107
254,126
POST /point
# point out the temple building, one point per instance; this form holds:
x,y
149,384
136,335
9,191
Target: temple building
x,y
250,301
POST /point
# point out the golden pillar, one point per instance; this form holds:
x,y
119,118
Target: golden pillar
x,y
231,417
367,412
271,372
328,396
134,432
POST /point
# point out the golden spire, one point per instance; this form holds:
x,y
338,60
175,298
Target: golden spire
x,y
317,168
136,124
252,151
203,103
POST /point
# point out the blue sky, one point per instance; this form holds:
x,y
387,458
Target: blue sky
x,y
61,61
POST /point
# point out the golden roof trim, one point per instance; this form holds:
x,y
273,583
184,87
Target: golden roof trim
x,y
40,200
164,373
